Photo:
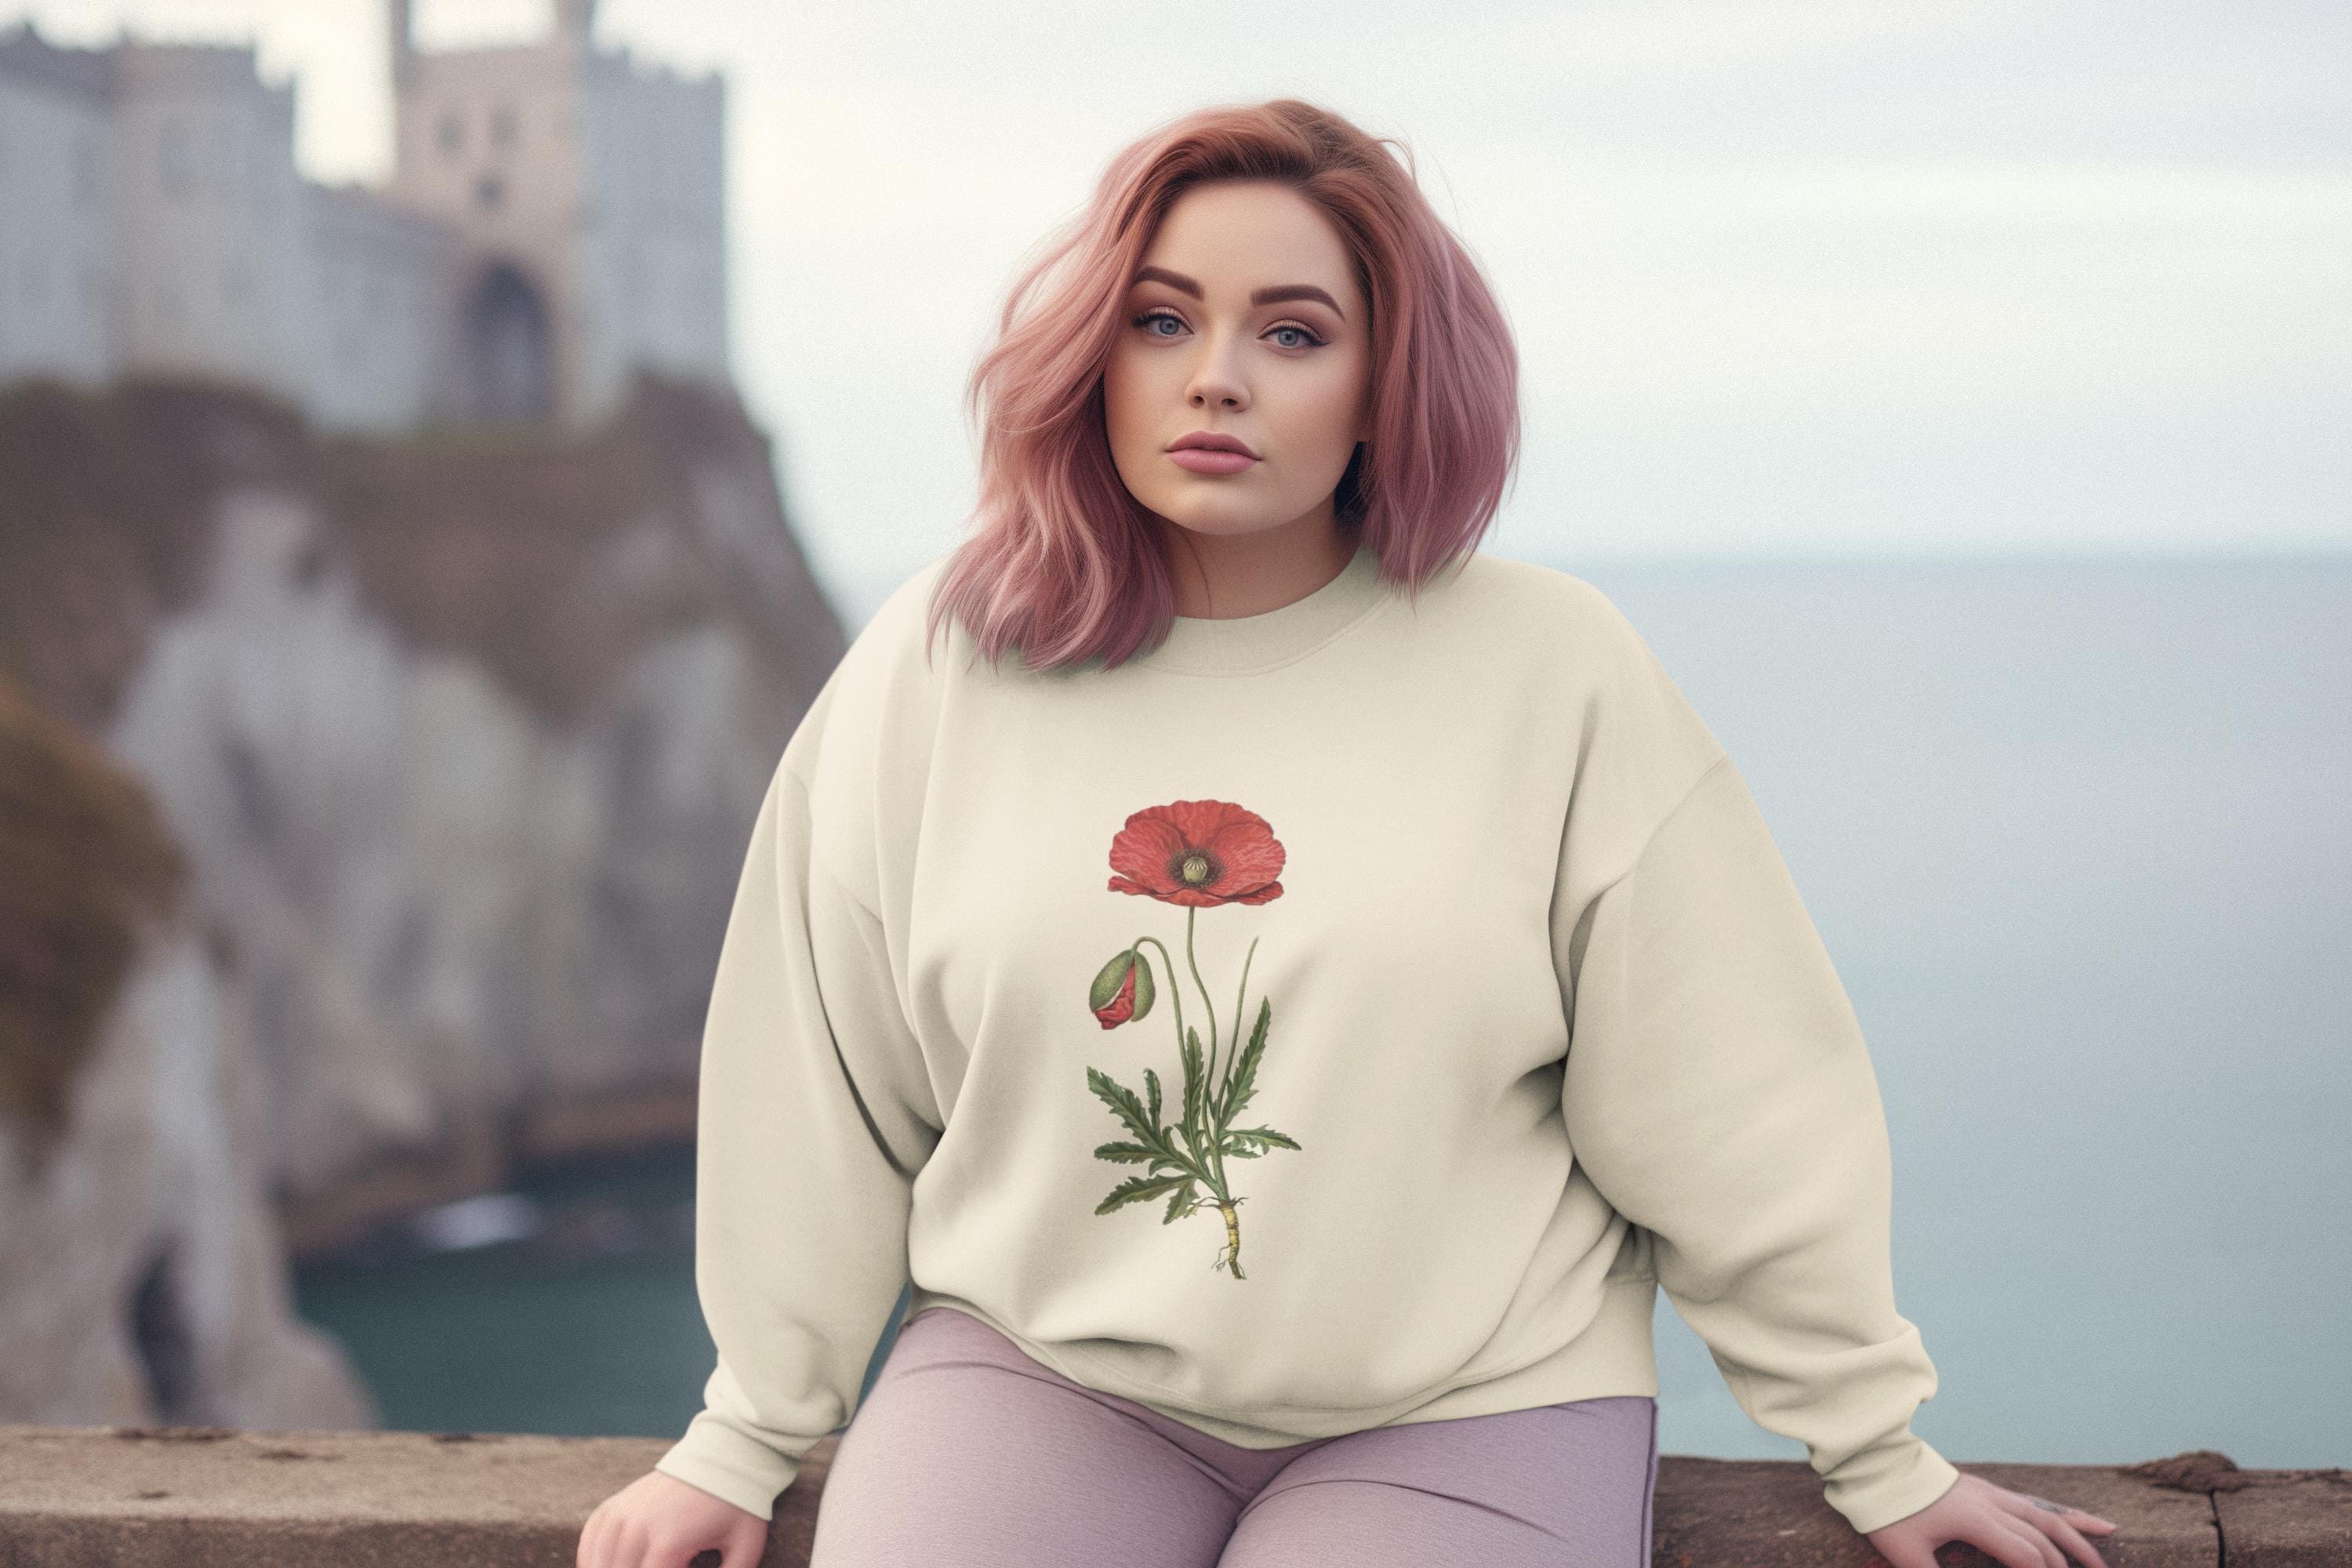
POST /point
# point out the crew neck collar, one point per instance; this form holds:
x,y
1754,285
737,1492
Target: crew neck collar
x,y
1241,645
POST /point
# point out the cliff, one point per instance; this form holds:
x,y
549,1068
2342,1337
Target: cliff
x,y
461,737
142,1271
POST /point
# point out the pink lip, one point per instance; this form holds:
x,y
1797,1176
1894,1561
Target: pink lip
x,y
1210,452
1212,440
1210,461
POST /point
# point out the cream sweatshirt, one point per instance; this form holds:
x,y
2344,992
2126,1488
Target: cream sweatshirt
x,y
1341,1017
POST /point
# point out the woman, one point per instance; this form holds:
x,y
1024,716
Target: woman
x,y
1373,858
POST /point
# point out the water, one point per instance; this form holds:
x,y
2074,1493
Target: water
x,y
2077,834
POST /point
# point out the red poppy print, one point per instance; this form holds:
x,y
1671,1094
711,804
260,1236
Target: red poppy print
x,y
1196,853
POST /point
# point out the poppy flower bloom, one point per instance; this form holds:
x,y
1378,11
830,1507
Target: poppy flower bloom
x,y
1199,853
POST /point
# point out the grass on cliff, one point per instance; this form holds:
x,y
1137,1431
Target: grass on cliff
x,y
85,861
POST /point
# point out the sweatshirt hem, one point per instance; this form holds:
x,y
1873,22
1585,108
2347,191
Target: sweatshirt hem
x,y
1887,1500
1611,1355
730,1466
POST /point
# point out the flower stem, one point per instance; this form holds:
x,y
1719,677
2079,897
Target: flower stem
x,y
1175,995
1240,1013
1209,1069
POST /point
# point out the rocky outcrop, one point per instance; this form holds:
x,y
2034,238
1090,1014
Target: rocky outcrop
x,y
142,1274
462,736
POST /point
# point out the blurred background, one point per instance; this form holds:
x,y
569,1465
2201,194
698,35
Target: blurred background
x,y
443,445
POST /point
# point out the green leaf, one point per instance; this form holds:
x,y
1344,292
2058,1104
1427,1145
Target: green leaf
x,y
1135,1189
1180,1203
1123,1102
1151,1082
1195,1068
1257,1141
1126,1153
1246,1069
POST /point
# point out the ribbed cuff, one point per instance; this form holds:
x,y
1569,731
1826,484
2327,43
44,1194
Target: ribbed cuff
x,y
729,1466
1893,1492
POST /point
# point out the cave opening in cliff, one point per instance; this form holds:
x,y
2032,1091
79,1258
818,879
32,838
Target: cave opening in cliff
x,y
159,1332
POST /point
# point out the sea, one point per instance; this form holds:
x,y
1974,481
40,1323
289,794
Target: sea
x,y
2077,834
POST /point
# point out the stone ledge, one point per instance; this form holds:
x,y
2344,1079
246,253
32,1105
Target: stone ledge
x,y
210,1498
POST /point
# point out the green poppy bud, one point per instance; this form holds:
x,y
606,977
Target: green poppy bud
x,y
1122,990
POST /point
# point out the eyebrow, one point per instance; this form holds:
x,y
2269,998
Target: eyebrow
x,y
1275,295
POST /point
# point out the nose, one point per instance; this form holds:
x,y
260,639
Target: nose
x,y
1216,382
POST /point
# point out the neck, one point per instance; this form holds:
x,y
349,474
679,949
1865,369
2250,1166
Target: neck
x,y
1223,576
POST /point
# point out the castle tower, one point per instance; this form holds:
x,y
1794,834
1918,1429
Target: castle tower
x,y
402,42
575,18
587,192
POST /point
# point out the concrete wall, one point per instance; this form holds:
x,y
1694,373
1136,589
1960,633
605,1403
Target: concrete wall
x,y
193,1498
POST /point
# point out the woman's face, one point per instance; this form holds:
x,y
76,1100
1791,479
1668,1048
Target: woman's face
x,y
1244,320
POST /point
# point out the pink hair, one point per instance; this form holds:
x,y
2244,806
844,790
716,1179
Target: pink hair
x,y
1064,563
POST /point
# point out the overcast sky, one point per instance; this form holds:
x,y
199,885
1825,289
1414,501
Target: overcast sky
x,y
1788,276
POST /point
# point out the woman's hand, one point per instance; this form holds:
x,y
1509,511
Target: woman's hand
x,y
660,1521
2014,1529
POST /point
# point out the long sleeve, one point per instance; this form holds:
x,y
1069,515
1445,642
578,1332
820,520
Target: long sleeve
x,y
815,1116
1718,1094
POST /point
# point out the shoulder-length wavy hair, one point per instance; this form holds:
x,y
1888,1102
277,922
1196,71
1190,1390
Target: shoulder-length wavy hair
x,y
1064,563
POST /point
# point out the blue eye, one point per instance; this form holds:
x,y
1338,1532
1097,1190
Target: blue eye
x,y
1148,318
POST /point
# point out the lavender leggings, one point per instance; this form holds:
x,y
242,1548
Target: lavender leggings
x,y
968,1454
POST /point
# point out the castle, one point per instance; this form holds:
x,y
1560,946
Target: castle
x,y
555,219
